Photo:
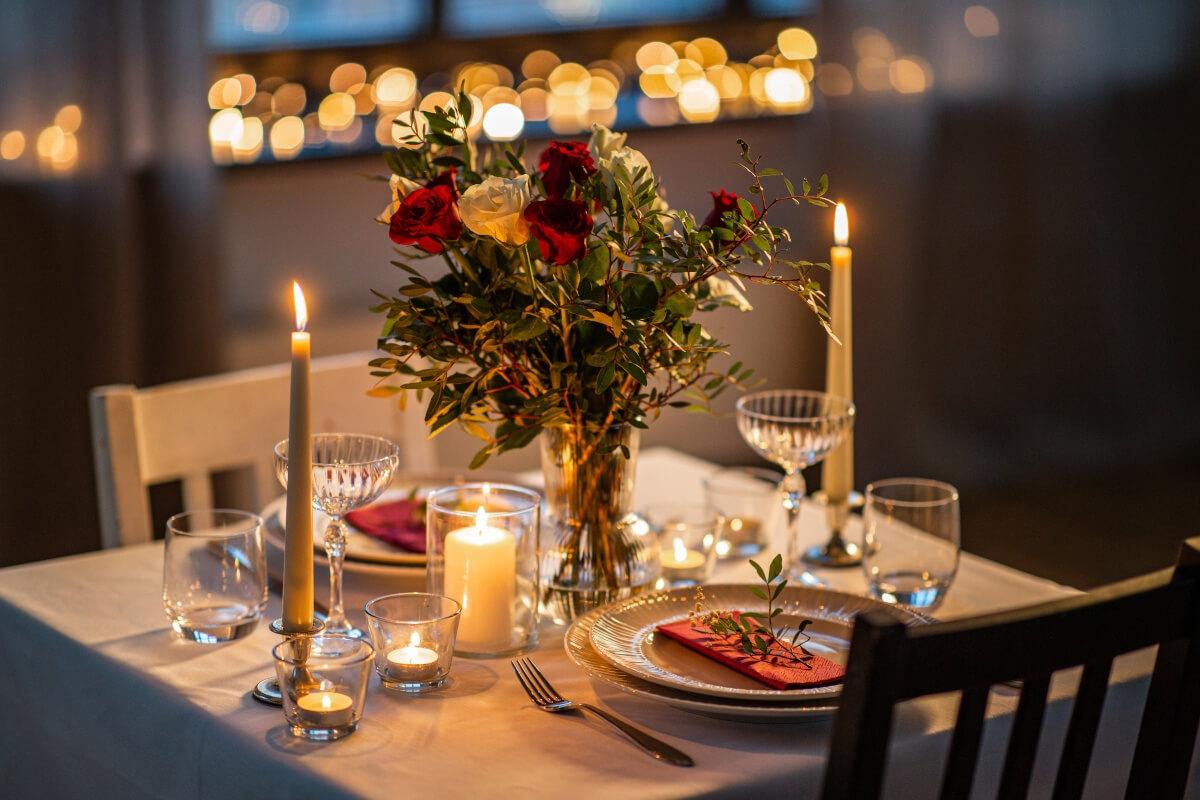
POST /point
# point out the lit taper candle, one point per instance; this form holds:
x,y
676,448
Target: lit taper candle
x,y
298,545
838,475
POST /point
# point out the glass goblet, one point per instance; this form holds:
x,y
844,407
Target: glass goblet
x,y
349,470
794,429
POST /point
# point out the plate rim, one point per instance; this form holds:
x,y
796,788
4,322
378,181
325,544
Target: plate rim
x,y
703,688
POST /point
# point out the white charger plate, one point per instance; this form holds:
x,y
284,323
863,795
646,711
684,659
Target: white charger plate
x,y
625,635
578,644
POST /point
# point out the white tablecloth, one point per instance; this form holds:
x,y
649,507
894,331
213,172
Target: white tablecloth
x,y
102,702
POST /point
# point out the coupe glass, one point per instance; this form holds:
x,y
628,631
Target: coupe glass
x,y
349,470
795,429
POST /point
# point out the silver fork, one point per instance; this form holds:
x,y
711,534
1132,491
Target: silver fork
x,y
546,698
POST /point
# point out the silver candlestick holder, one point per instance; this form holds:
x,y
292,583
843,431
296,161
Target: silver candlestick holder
x,y
836,552
267,690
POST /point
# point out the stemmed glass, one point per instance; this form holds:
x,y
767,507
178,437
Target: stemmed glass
x,y
349,470
795,429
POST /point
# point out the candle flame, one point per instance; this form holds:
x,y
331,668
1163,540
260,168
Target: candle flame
x,y
301,307
841,226
680,550
487,490
414,639
480,518
326,702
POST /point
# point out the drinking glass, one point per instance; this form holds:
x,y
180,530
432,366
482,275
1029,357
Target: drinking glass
x,y
214,574
349,470
743,498
912,541
794,429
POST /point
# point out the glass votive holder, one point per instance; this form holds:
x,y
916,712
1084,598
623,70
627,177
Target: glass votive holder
x,y
743,497
214,574
687,539
485,557
413,634
323,680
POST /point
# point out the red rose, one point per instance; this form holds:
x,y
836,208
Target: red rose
x,y
428,217
561,228
563,162
722,201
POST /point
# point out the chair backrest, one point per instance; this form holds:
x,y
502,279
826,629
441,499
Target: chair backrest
x,y
188,430
890,663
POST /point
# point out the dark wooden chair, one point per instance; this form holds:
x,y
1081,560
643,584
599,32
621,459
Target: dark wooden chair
x,y
890,663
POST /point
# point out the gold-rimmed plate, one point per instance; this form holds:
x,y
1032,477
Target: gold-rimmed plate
x,y
626,636
578,644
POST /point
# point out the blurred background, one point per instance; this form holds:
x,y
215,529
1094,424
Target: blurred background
x,y
1019,173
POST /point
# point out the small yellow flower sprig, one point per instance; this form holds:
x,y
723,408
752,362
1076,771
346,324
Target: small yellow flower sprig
x,y
754,630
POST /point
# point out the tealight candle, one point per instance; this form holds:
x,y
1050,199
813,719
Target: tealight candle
x,y
326,709
412,662
682,564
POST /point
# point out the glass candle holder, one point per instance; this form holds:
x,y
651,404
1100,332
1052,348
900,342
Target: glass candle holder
x,y
485,557
744,498
687,539
413,634
323,680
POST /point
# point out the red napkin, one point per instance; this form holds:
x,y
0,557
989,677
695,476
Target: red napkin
x,y
398,522
769,671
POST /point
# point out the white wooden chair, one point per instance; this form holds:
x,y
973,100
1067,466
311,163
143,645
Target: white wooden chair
x,y
188,430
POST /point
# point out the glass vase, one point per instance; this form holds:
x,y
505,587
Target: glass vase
x,y
594,548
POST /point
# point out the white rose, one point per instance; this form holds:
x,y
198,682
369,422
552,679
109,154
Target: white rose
x,y
603,142
401,187
495,208
724,290
628,158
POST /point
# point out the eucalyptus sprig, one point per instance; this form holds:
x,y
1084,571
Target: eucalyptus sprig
x,y
755,630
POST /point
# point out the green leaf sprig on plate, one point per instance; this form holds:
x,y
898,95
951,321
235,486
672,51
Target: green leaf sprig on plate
x,y
756,631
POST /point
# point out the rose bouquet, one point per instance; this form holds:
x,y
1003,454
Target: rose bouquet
x,y
564,301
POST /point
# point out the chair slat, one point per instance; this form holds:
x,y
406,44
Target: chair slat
x,y
1081,733
197,491
1023,739
964,745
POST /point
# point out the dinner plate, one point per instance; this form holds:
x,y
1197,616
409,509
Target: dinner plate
x,y
578,644
360,546
625,635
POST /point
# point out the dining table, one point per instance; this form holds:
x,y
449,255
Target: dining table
x,y
103,700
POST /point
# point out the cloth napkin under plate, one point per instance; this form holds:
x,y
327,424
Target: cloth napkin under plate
x,y
727,651
398,522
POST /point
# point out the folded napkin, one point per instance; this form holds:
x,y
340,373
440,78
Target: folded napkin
x,y
769,670
398,522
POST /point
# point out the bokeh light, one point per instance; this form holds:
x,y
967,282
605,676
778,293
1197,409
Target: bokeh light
x,y
347,78
503,122
539,64
699,101
69,118
289,100
785,88
796,44
395,89
910,75
834,79
981,22
248,146
12,145
336,111
287,138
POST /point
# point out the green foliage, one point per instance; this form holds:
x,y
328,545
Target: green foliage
x,y
499,341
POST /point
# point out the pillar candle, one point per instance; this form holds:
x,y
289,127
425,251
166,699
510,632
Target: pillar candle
x,y
298,542
838,475
481,574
